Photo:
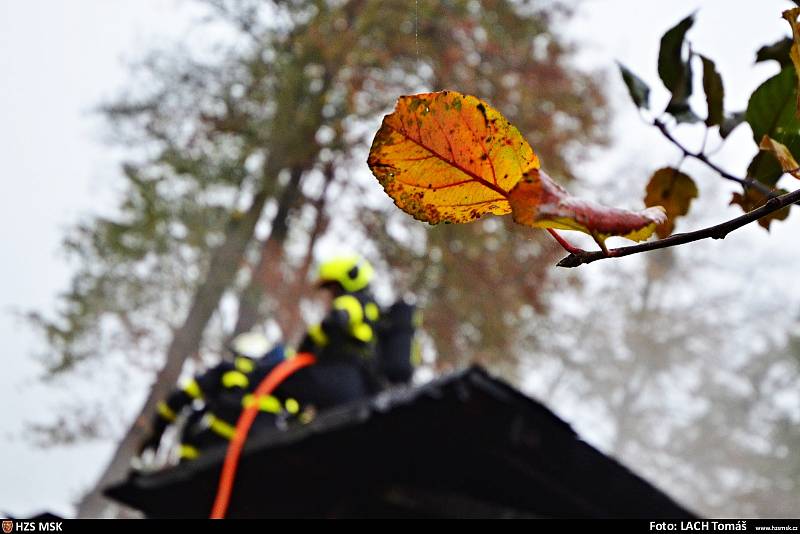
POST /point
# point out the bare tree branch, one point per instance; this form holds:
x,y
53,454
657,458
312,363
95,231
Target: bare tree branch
x,y
575,259
700,156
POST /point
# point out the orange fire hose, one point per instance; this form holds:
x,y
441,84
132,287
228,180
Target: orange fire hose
x,y
280,373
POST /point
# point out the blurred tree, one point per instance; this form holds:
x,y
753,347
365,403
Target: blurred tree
x,y
745,443
244,158
680,397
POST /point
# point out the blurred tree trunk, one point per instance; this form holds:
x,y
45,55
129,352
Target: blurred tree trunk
x,y
266,275
185,342
293,326
269,283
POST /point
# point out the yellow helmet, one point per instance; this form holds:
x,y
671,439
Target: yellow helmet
x,y
353,273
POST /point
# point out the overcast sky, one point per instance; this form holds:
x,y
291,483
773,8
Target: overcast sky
x,y
60,59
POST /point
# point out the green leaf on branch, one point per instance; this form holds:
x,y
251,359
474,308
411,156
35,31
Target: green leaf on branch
x,y
730,122
682,112
715,92
752,199
639,91
671,65
771,112
674,191
778,51
678,105
764,168
676,72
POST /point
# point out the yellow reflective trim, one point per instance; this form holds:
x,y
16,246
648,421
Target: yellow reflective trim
x,y
352,306
288,354
166,412
292,406
416,353
220,427
372,311
236,379
192,388
244,365
188,452
416,319
362,332
266,403
317,335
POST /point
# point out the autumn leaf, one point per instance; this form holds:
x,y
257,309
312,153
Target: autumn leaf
x,y
782,154
753,198
674,190
538,201
794,53
448,157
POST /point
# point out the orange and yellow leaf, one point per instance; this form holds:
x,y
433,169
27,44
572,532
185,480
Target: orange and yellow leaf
x,y
448,157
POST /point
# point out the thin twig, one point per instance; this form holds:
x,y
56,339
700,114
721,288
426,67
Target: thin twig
x,y
715,232
569,247
700,156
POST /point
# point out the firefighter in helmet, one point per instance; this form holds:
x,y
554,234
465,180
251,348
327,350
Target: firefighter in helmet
x,y
345,341
215,398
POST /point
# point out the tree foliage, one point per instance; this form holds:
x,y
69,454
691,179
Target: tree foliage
x,y
771,114
668,382
247,155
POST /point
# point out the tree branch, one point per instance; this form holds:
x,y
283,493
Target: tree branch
x,y
700,156
719,231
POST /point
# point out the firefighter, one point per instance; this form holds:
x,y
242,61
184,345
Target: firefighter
x,y
217,397
399,352
348,367
344,342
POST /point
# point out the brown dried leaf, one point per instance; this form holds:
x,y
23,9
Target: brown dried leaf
x,y
674,190
753,199
782,154
791,16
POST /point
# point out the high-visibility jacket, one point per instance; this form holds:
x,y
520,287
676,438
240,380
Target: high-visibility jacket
x,y
348,331
217,397
217,425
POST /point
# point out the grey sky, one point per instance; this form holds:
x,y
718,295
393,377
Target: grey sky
x,y
59,59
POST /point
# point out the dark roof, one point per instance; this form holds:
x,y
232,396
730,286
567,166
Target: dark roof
x,y
465,445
